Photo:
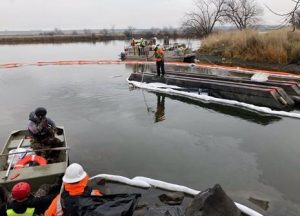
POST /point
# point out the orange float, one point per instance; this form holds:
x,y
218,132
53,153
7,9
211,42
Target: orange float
x,y
30,158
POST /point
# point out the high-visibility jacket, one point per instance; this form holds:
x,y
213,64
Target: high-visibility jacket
x,y
142,43
70,194
28,212
159,54
56,208
36,204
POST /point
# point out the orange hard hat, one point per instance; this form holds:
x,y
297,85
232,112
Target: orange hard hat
x,y
21,191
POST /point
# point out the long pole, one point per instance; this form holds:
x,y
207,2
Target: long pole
x,y
13,158
45,149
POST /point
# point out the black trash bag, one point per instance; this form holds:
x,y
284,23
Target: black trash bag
x,y
166,211
108,205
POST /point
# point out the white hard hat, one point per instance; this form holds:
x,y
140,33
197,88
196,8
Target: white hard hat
x,y
74,173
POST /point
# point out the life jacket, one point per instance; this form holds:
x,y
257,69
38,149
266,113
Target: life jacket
x,y
65,203
44,133
28,212
159,54
142,43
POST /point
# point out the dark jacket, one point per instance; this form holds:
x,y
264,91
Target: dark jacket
x,y
39,203
70,203
39,133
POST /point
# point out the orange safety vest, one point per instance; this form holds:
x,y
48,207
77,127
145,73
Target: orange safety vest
x,y
56,209
159,54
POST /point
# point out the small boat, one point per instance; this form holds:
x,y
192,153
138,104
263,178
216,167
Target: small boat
x,y
35,175
173,53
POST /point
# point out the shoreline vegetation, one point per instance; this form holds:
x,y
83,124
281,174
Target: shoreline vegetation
x,y
277,50
93,36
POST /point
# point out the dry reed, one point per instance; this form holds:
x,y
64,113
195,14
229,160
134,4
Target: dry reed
x,y
276,46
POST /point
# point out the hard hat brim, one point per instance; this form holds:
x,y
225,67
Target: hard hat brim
x,y
74,180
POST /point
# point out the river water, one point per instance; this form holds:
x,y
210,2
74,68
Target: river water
x,y
114,129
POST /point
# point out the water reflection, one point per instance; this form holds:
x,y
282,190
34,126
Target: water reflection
x,y
244,114
238,112
138,67
160,108
159,112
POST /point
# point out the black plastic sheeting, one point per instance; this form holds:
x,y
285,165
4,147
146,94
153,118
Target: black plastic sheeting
x,y
108,205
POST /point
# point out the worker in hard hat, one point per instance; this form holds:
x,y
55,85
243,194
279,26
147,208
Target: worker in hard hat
x,y
160,60
75,183
133,45
24,203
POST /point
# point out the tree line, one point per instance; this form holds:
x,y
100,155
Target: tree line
x,y
242,14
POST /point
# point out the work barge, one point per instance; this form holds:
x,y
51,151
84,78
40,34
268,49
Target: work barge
x,y
277,94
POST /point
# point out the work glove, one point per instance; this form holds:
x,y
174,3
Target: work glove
x,y
42,124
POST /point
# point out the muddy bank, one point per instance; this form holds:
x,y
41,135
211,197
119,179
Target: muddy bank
x,y
219,60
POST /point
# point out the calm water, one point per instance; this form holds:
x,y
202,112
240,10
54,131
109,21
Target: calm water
x,y
116,130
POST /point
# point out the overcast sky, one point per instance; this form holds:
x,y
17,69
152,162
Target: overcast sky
x,y
98,14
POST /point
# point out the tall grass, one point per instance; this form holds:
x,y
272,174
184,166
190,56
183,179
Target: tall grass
x,y
277,46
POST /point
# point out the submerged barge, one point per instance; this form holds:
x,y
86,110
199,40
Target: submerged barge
x,y
275,94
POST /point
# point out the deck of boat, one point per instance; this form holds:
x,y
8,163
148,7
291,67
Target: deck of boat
x,y
35,175
168,57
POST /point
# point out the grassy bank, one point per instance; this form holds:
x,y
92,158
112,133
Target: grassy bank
x,y
277,46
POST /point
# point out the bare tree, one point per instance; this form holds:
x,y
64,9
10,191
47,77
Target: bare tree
x,y
297,19
294,14
167,31
129,32
203,20
87,31
113,29
154,30
58,31
242,13
289,17
104,32
74,32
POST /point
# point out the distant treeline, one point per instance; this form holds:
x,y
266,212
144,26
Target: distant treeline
x,y
59,36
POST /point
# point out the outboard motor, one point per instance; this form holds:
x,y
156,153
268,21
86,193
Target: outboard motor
x,y
123,56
